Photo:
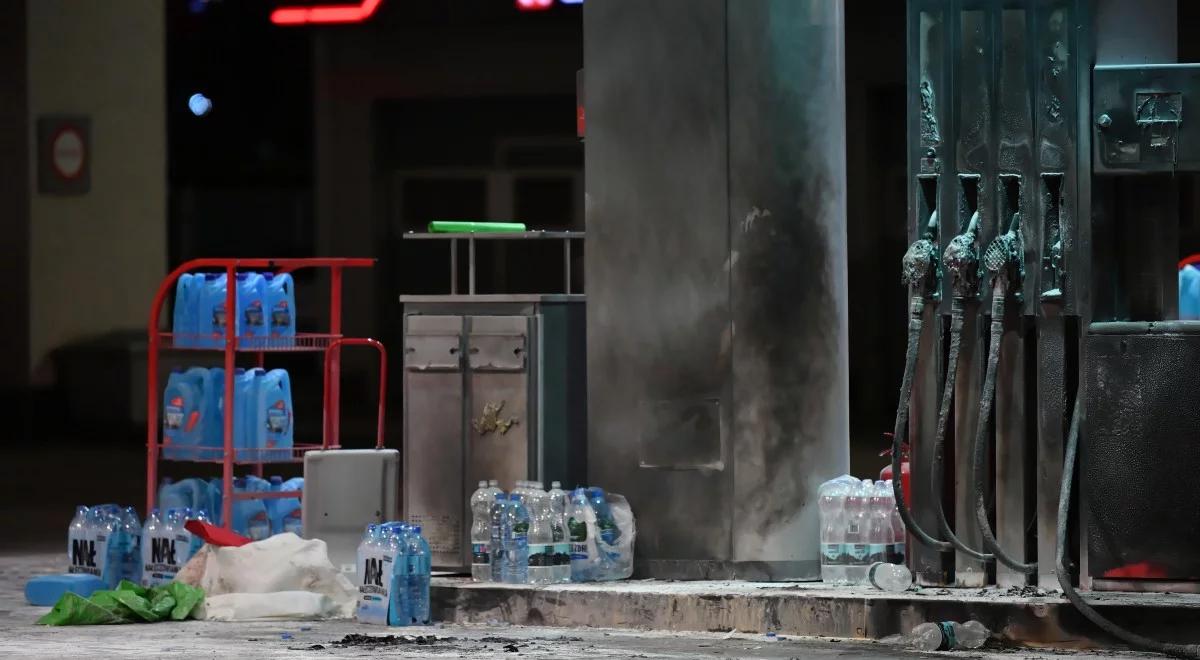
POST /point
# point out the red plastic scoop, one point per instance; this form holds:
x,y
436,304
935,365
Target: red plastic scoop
x,y
213,535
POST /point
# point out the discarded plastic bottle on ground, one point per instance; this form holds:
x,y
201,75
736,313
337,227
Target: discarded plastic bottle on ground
x,y
578,514
857,545
497,514
517,549
481,533
831,501
419,566
948,635
131,546
897,553
399,603
541,541
889,577
78,546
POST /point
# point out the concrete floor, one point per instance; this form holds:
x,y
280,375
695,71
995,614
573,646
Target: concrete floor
x,y
19,637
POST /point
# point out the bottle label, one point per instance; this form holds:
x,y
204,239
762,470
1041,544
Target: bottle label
x,y
253,314
857,551
277,417
896,553
562,554
218,316
541,555
374,589
173,415
831,553
577,530
877,552
481,553
160,559
281,317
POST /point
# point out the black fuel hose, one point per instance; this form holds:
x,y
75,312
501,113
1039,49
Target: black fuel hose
x,y
999,300
936,481
916,309
1064,576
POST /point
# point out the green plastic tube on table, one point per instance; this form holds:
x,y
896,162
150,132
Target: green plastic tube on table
x,y
468,227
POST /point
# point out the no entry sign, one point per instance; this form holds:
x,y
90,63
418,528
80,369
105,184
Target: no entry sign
x,y
64,155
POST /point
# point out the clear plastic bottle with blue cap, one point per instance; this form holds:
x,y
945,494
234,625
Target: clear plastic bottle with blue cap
x,y
78,542
131,548
399,604
419,569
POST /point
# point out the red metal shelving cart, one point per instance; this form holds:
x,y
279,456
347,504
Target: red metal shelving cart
x,y
329,343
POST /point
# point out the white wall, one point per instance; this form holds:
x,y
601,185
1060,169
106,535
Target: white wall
x,y
96,259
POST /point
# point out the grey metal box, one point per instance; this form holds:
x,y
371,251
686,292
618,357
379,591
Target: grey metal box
x,y
344,491
513,408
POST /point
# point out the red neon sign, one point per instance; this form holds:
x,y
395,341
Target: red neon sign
x,y
534,5
325,14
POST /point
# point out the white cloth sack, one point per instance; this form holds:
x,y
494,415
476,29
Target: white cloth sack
x,y
281,577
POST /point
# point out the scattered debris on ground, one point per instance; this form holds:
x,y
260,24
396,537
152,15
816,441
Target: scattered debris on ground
x,y
386,640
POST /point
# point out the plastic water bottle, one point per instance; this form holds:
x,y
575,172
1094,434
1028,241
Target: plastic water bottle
x,y
131,548
78,542
579,513
889,577
606,525
857,544
879,523
481,533
541,563
948,635
897,553
516,551
158,554
372,594
419,568
499,536
399,603
558,530
831,503
197,542
103,557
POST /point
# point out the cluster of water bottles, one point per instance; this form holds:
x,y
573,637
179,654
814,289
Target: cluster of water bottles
x,y
167,544
535,536
106,541
860,526
394,566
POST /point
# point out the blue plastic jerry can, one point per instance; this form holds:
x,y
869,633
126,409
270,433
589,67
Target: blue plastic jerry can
x,y
274,415
251,303
281,301
183,410
187,302
1189,293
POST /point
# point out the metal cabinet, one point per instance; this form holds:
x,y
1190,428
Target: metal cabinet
x,y
493,389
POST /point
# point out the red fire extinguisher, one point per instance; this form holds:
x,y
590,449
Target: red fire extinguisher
x,y
886,472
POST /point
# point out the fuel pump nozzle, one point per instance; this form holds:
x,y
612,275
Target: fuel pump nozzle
x,y
921,274
1004,261
961,260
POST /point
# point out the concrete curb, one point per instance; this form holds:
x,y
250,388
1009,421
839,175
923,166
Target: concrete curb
x,y
811,610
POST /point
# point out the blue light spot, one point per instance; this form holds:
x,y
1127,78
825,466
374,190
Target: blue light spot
x,y
199,104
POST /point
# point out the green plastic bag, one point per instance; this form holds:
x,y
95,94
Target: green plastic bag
x,y
128,603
